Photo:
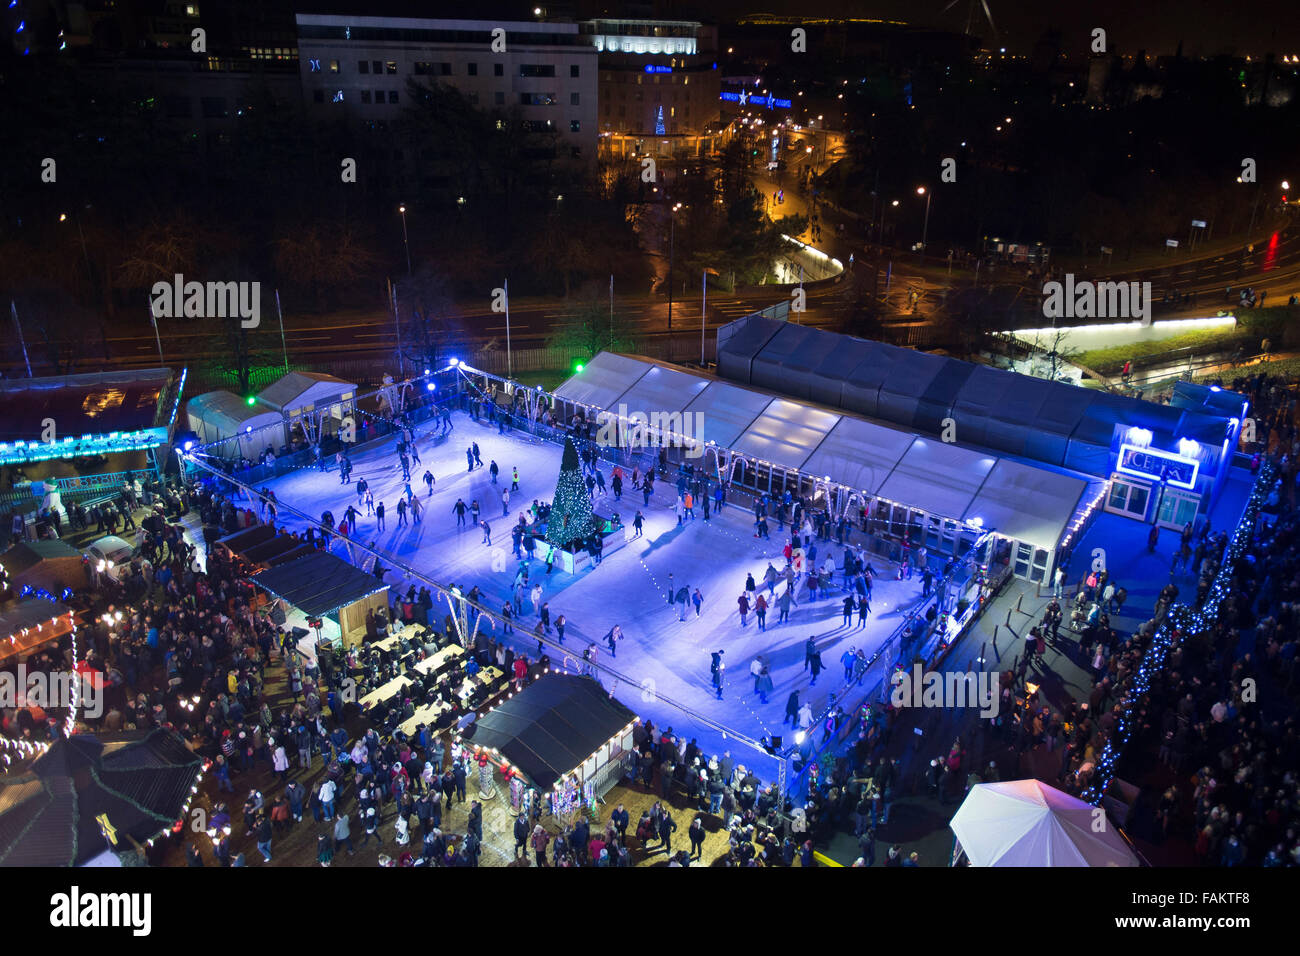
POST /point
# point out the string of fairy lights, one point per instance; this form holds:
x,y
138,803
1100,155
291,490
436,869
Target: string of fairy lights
x,y
1179,623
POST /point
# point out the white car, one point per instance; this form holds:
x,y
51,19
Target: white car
x,y
110,554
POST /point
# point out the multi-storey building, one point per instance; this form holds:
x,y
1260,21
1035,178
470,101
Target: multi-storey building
x,y
545,70
659,87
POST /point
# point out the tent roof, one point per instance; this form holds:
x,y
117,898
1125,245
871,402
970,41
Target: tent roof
x,y
786,432
661,389
938,477
789,360
551,727
1026,500
603,380
297,389
318,583
1028,823
225,414
746,340
1027,503
728,410
859,453
1208,398
139,779
1051,422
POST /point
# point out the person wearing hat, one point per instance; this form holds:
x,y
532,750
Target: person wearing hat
x,y
540,840
715,668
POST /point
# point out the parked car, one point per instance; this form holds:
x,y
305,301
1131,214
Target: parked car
x,y
110,554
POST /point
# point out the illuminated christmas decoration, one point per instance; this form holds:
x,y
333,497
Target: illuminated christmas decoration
x,y
1180,622
571,517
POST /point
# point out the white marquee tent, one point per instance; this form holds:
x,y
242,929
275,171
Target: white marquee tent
x,y
1028,502
318,399
1028,823
219,415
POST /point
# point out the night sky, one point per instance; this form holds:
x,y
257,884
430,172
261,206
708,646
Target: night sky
x,y
1205,26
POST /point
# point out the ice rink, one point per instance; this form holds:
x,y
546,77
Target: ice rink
x,y
659,654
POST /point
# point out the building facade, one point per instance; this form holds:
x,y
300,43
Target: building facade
x,y
659,87
546,71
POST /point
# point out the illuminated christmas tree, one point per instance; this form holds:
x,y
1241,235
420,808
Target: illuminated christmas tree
x,y
571,518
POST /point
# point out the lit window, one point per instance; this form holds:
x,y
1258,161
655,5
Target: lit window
x,y
334,66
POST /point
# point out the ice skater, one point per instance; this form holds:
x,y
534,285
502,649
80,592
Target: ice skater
x,y
715,667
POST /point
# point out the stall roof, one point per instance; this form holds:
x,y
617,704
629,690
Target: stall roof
x,y
551,727
96,403
318,583
139,781
28,554
297,390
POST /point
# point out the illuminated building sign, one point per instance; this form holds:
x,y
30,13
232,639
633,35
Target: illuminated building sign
x,y
771,102
651,68
1157,465
647,46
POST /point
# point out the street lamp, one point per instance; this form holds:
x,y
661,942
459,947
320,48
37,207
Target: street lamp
x,y
672,224
925,230
405,241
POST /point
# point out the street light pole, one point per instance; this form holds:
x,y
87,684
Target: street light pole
x,y
925,230
704,309
672,227
405,241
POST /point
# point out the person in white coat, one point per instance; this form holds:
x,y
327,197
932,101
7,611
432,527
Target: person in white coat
x,y
280,762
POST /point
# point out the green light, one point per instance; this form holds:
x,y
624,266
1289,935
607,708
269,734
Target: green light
x,y
578,367
251,400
